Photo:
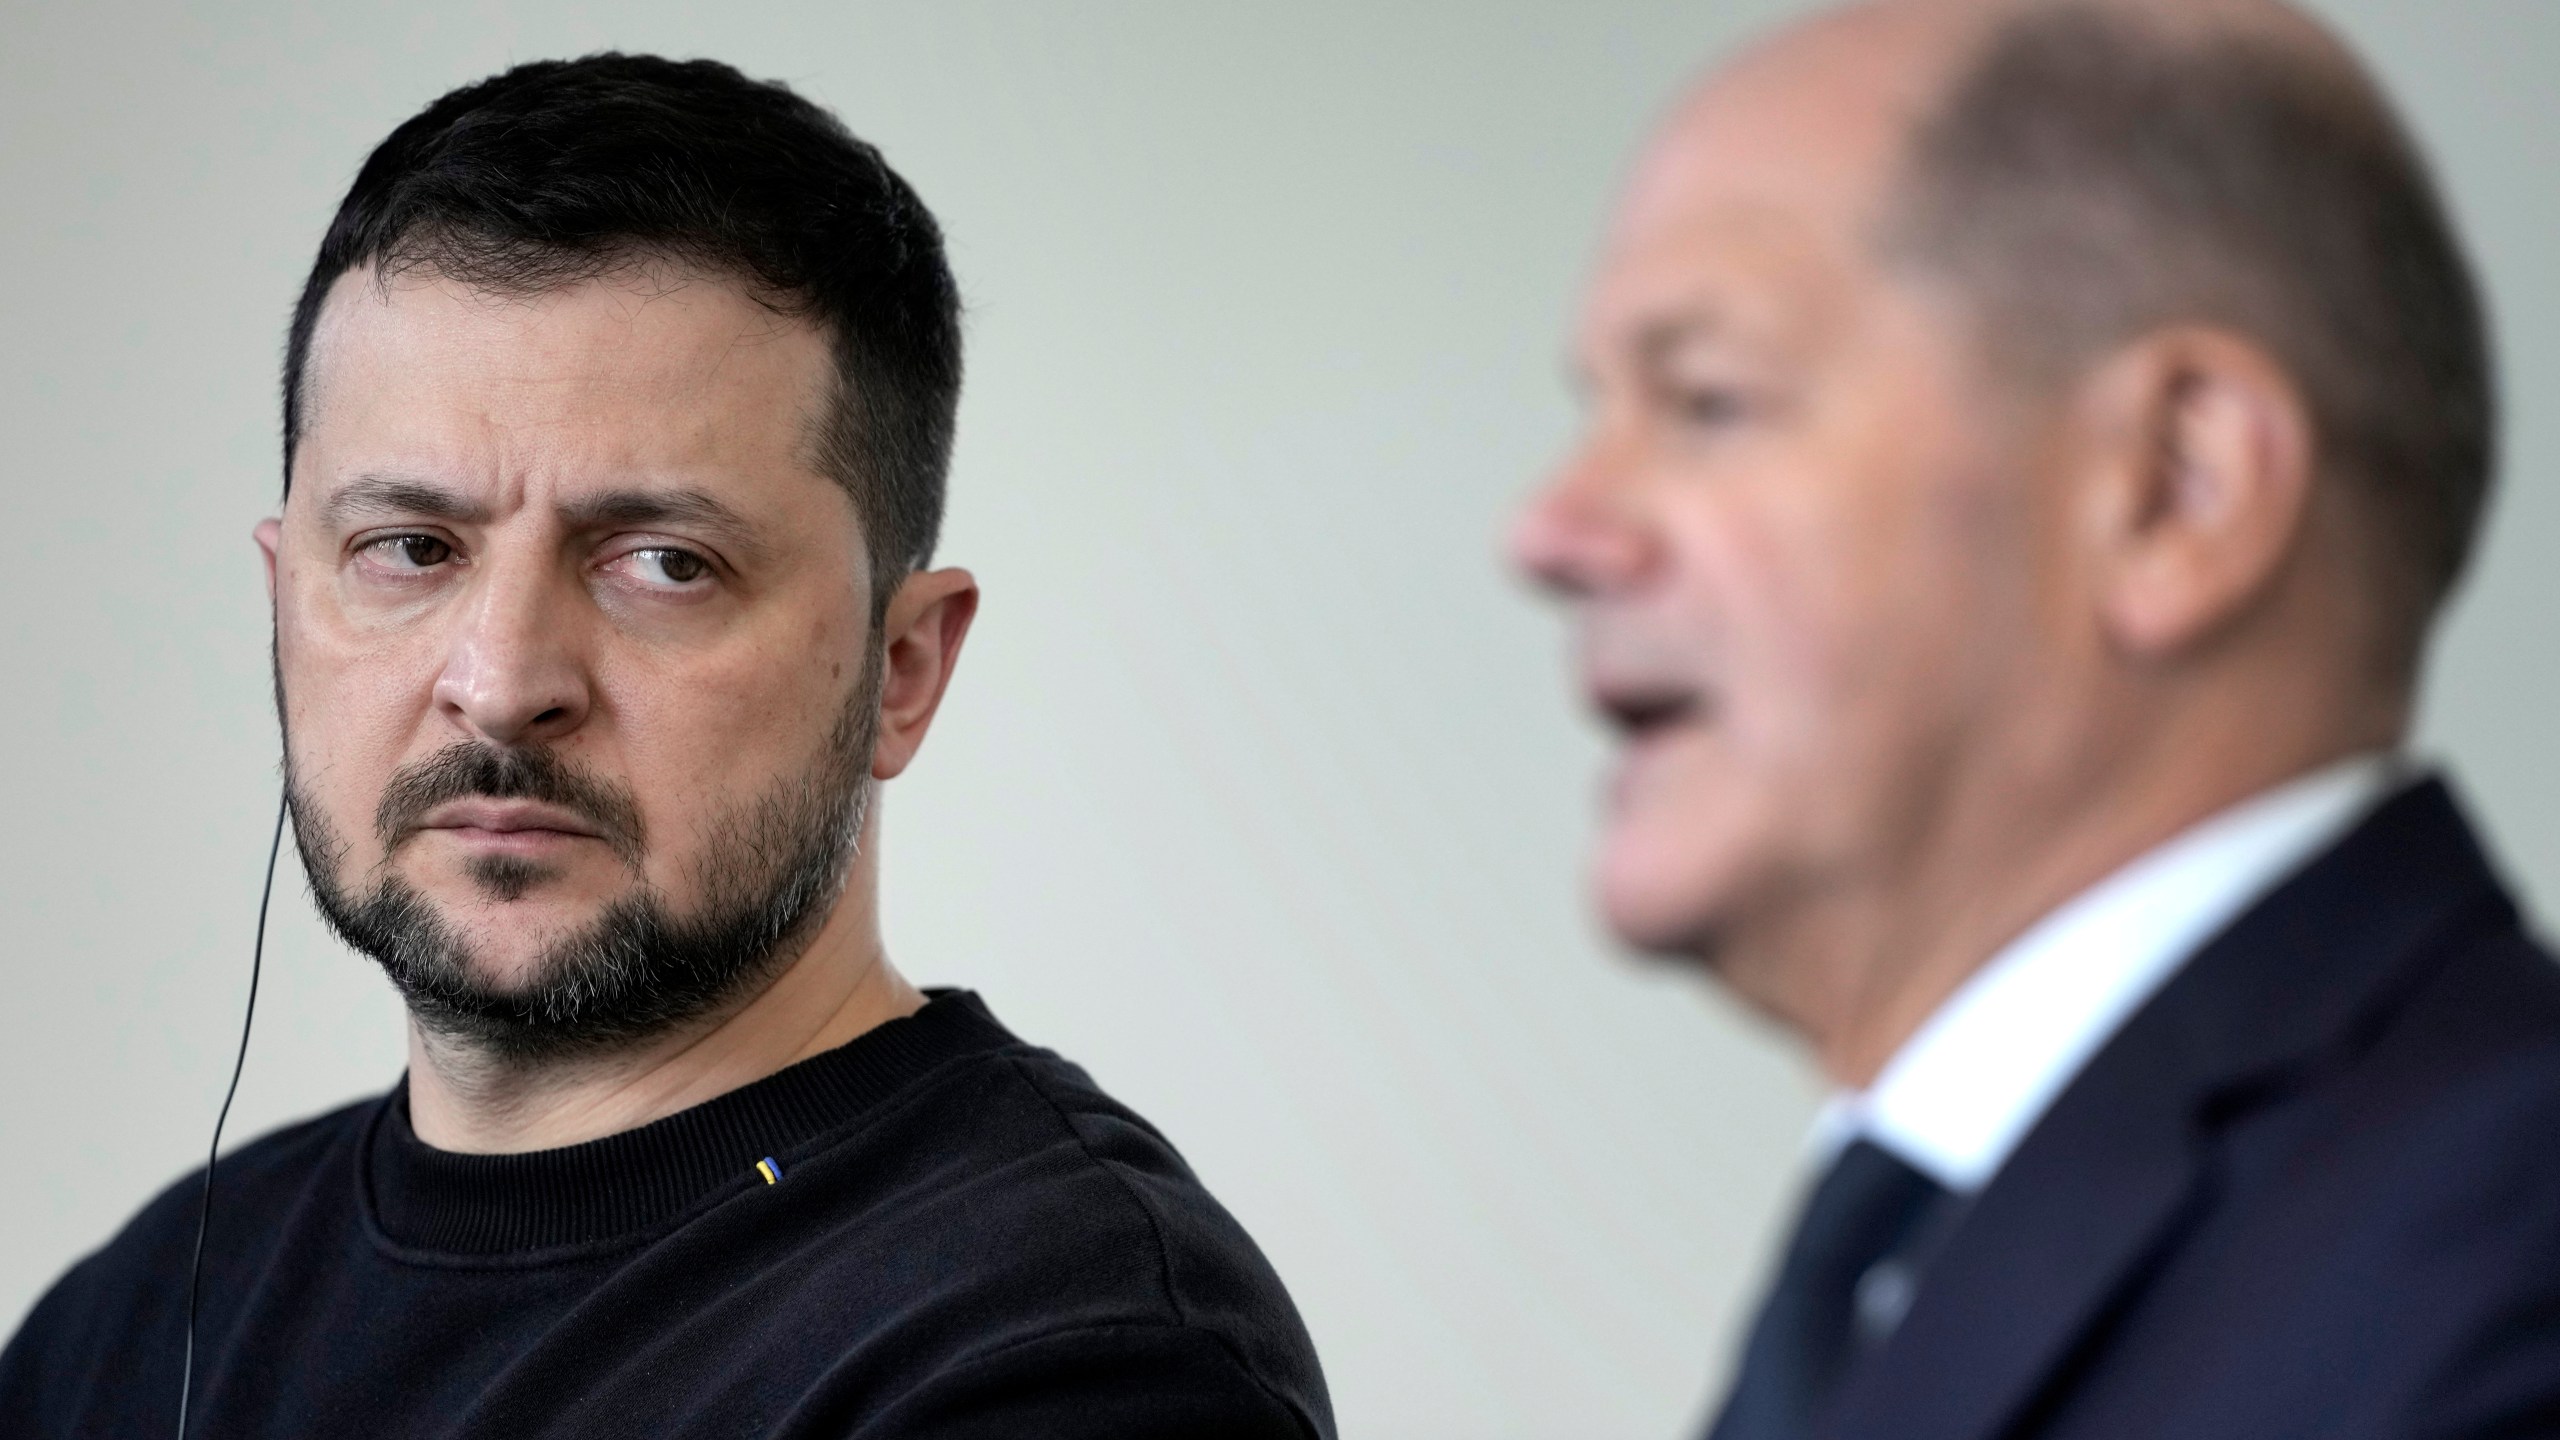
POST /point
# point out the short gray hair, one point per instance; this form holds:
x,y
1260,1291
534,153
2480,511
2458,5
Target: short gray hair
x,y
2092,175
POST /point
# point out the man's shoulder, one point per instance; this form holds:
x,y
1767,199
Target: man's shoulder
x,y
2313,1179
2443,1085
246,1184
2493,992
1021,1142
1018,1208
2390,996
126,1299
1130,1175
2461,1076
2365,1241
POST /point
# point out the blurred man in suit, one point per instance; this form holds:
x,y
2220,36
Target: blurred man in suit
x,y
2029,446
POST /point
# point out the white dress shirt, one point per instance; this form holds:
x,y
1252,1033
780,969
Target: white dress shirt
x,y
1961,1093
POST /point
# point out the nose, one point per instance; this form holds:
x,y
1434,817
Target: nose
x,y
513,673
1581,533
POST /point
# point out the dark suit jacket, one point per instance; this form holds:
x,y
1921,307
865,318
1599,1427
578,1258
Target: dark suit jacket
x,y
2311,1189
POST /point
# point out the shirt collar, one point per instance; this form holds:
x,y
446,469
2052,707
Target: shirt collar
x,y
1961,1093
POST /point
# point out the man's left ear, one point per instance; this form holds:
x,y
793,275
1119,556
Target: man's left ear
x,y
269,533
927,621
2205,453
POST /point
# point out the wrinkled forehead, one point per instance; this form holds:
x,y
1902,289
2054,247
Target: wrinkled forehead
x,y
643,362
646,323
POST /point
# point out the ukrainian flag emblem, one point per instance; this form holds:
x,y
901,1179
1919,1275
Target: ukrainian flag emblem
x,y
771,1172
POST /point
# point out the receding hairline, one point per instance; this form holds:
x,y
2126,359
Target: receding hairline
x,y
2194,31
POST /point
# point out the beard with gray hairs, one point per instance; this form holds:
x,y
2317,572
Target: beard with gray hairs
x,y
769,872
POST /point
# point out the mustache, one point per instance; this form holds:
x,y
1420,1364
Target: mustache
x,y
469,769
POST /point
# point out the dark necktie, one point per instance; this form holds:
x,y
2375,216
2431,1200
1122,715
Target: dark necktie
x,y
1841,1289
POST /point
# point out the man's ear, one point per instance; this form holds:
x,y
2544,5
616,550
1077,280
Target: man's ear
x,y
928,619
268,533
2200,455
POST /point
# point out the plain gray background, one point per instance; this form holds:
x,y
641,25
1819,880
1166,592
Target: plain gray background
x,y
1259,792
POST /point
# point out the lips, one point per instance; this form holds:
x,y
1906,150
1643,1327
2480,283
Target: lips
x,y
529,820
1639,711
1638,714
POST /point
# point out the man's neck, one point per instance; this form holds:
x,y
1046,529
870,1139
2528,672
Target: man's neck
x,y
841,985
1898,957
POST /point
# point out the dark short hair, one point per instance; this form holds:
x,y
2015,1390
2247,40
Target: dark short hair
x,y
2092,175
563,170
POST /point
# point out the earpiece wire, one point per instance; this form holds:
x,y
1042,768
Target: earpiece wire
x,y
213,1151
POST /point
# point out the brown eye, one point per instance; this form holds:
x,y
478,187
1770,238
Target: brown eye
x,y
413,552
674,567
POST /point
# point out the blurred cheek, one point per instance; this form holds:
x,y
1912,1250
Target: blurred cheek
x,y
1705,818
1676,845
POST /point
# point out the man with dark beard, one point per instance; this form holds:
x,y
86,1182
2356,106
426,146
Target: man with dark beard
x,y
617,410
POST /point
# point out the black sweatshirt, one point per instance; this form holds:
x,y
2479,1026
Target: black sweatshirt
x,y
966,1239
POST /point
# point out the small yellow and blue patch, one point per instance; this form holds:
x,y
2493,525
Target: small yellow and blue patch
x,y
771,1172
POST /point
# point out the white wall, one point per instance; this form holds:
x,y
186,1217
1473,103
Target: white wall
x,y
1259,793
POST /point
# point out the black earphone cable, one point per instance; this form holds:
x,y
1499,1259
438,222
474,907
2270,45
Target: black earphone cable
x,y
204,1208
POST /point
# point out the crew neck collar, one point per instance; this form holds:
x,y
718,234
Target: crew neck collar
x,y
627,1186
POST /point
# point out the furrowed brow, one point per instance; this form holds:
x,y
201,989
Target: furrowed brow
x,y
691,508
384,495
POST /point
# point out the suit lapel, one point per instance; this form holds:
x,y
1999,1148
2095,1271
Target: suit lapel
x,y
2107,1178
2026,1273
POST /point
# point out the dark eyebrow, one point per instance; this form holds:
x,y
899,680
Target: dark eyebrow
x,y
394,495
391,494
650,507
